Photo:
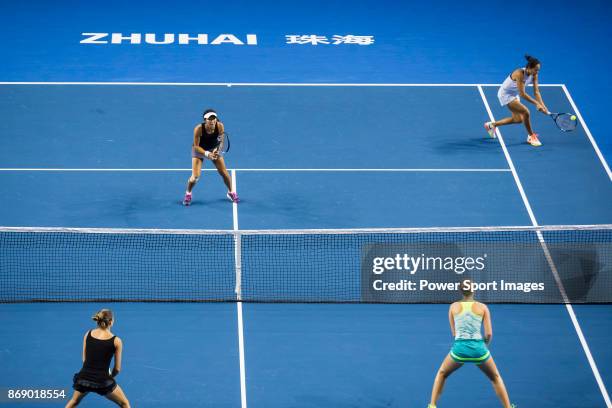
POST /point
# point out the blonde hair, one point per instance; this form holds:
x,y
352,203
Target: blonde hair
x,y
103,318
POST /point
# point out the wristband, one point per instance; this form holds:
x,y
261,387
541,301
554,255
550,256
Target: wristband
x,y
206,153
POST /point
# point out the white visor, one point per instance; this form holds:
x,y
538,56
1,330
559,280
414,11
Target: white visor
x,y
209,114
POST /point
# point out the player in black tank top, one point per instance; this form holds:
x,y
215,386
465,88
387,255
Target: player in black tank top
x,y
208,141
99,348
98,355
206,137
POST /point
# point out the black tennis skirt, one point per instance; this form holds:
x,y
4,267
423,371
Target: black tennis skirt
x,y
93,381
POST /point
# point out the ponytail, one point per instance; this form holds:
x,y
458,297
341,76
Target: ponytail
x,y
103,318
531,61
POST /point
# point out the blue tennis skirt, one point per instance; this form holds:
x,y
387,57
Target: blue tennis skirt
x,y
470,351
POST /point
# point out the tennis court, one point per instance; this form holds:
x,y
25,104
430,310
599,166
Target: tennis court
x,y
93,174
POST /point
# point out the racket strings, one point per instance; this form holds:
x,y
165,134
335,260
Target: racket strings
x,y
565,122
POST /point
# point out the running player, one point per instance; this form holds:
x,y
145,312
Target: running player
x,y
509,95
206,137
99,347
466,318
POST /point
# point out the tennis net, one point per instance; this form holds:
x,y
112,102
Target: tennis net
x,y
553,264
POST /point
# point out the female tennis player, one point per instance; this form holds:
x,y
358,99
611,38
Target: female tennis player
x,y
99,347
206,139
466,318
509,94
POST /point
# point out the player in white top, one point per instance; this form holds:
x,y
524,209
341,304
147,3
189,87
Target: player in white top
x,y
509,95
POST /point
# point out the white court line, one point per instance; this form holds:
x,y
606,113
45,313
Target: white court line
x,y
243,400
568,306
234,205
238,261
296,84
237,242
415,170
588,132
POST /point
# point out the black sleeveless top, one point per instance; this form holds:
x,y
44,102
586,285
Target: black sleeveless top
x,y
98,353
209,141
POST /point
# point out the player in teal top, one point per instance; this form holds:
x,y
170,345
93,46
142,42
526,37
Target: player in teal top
x,y
466,318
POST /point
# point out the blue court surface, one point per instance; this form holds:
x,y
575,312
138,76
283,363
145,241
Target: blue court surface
x,y
385,135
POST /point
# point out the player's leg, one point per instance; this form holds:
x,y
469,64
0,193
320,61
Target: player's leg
x,y
517,108
118,397
220,165
515,118
446,369
490,369
196,171
76,399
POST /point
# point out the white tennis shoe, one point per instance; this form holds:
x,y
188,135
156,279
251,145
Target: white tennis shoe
x,y
533,140
490,129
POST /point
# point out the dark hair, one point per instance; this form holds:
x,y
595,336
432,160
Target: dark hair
x,y
466,287
531,61
103,318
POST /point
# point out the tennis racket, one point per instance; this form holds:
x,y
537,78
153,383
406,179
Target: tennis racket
x,y
223,144
564,121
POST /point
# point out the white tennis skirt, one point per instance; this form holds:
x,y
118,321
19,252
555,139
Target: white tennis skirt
x,y
506,97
